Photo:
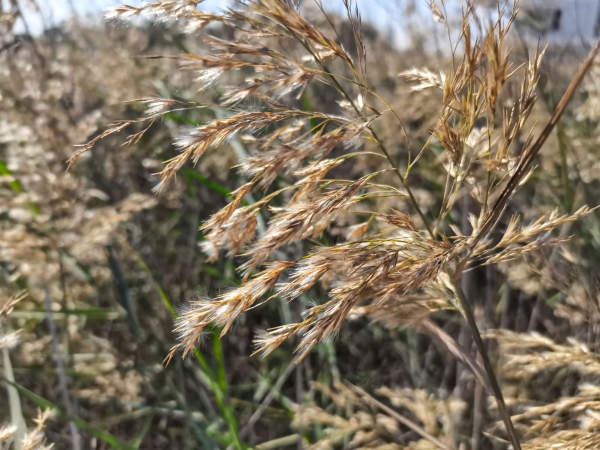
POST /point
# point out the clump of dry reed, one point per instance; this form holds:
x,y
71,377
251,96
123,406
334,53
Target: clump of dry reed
x,y
364,422
403,259
571,422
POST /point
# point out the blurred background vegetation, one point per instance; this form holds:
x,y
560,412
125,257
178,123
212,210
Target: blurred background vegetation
x,y
102,264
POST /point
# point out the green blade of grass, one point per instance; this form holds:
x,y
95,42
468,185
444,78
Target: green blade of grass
x,y
178,118
157,286
218,352
307,107
76,268
143,432
15,184
190,174
210,270
123,291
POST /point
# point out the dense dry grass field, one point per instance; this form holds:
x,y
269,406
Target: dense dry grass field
x,y
272,227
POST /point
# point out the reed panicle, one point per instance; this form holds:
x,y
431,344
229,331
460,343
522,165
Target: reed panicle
x,y
406,263
571,421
